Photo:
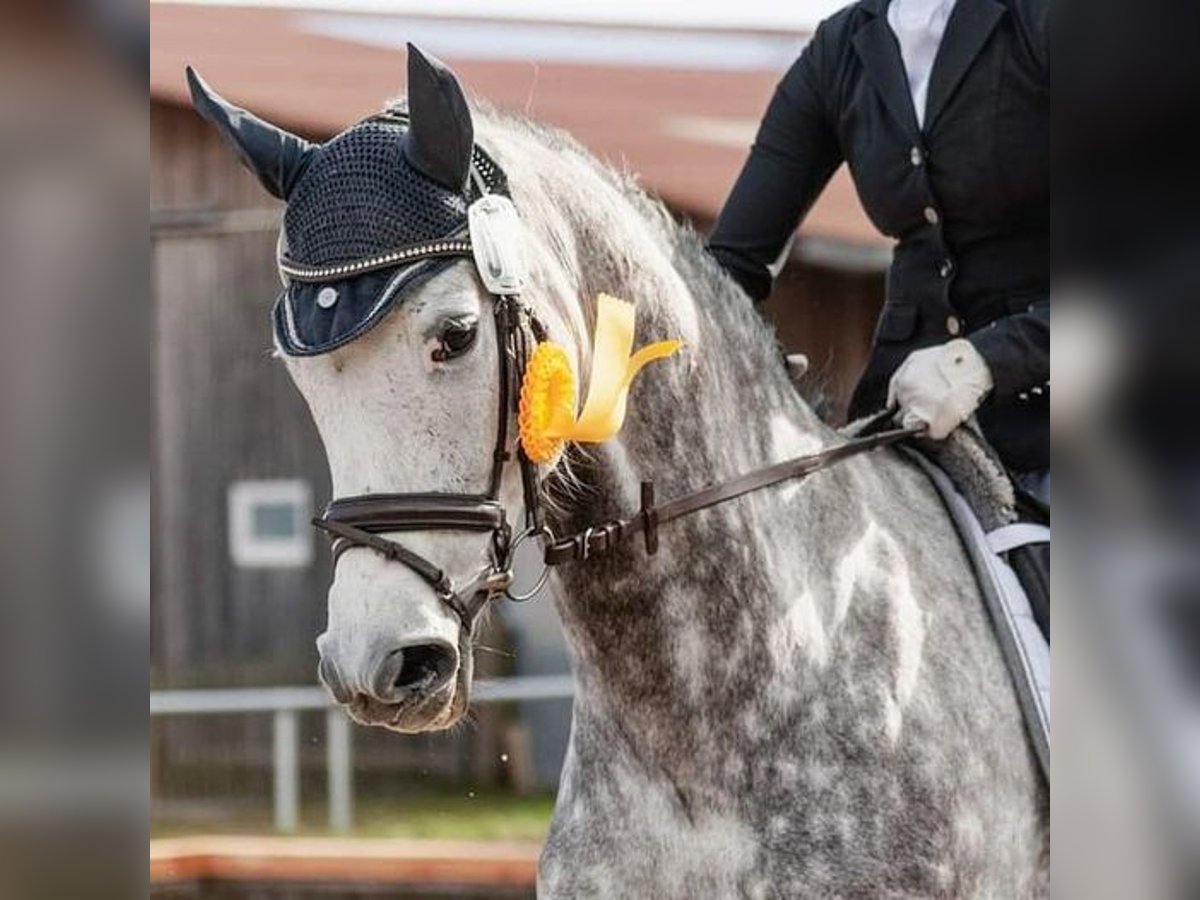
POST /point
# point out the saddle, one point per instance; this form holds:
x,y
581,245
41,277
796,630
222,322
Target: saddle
x,y
1006,534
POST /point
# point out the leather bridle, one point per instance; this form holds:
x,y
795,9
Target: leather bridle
x,y
363,520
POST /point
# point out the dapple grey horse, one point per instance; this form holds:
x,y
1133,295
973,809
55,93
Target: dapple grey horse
x,y
799,695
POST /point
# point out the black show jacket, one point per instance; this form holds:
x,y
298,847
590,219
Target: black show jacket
x,y
967,196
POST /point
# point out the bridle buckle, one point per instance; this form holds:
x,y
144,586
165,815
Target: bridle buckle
x,y
585,543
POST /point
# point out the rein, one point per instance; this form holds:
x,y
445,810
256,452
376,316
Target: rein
x,y
597,539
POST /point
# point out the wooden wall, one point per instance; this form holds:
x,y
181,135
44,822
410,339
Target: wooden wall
x,y
224,411
830,316
827,313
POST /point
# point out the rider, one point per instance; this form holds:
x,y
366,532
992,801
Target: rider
x,y
941,110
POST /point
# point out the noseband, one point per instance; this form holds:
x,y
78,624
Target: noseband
x,y
362,521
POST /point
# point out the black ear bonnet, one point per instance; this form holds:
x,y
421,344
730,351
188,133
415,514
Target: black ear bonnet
x,y
372,212
359,201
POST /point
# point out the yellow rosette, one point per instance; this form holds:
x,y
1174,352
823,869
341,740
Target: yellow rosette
x,y
546,414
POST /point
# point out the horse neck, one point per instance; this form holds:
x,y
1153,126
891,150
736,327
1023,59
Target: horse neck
x,y
655,638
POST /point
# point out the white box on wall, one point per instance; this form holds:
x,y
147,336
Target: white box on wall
x,y
269,523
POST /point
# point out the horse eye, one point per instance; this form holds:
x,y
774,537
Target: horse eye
x,y
457,337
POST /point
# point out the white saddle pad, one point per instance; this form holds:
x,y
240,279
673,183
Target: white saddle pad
x,y
1025,650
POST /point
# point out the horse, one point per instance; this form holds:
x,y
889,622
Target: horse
x,y
799,694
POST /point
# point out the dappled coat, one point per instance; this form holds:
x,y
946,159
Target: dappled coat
x,y
966,196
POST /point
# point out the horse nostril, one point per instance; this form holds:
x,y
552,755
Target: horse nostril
x,y
415,669
424,666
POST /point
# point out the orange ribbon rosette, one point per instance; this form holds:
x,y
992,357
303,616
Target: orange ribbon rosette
x,y
549,395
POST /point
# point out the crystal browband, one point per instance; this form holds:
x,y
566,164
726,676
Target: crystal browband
x,y
412,253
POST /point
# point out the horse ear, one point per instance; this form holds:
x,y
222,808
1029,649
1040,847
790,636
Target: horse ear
x,y
276,156
440,133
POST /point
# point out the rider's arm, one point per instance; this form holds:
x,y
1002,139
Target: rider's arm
x,y
1017,351
793,156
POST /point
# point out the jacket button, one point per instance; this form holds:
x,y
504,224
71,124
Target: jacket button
x,y
915,156
945,268
953,325
931,215
327,297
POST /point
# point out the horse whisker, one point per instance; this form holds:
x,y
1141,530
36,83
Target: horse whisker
x,y
496,650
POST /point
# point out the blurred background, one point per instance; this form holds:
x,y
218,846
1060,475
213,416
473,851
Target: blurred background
x,y
134,347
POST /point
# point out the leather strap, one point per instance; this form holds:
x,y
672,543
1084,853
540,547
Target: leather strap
x,y
503,313
599,539
348,536
416,512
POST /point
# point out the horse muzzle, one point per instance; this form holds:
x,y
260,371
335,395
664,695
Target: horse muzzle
x,y
412,687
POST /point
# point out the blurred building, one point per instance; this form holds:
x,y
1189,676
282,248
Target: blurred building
x,y
239,577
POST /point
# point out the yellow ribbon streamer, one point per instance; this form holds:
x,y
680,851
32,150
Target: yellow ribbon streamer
x,y
548,393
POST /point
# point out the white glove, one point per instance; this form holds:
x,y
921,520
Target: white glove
x,y
940,386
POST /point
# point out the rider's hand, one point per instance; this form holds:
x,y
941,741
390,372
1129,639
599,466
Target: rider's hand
x,y
940,386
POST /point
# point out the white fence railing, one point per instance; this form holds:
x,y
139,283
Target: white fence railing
x,y
285,704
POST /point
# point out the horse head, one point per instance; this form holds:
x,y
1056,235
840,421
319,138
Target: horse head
x,y
400,369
